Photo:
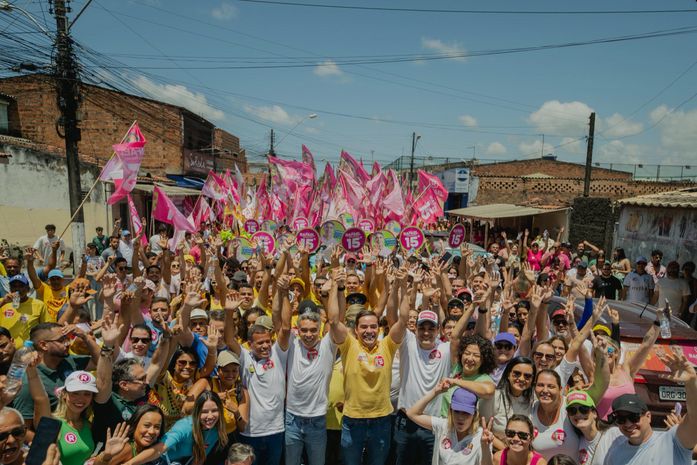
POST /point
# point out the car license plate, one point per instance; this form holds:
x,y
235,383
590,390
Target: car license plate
x,y
672,393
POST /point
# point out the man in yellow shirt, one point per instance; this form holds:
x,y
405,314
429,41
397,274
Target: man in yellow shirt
x,y
19,321
367,365
54,293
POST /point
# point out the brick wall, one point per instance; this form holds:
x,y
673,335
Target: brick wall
x,y
554,168
105,117
549,191
229,143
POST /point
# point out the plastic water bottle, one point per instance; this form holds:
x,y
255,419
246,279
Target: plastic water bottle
x,y
19,365
16,300
664,320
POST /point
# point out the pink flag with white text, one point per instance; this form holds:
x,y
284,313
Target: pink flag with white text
x,y
353,167
214,187
123,167
427,207
427,180
164,210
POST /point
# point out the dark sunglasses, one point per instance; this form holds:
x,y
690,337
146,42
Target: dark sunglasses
x,y
560,322
503,345
510,434
144,340
184,363
622,418
546,356
573,410
517,374
16,432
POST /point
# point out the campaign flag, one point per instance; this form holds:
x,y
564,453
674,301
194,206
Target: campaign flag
x,y
122,168
428,180
309,159
135,221
164,210
241,187
329,175
393,201
428,207
214,187
353,167
201,213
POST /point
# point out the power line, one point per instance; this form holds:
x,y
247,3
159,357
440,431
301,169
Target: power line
x,y
484,12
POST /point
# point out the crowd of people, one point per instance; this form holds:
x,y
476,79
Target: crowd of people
x,y
159,353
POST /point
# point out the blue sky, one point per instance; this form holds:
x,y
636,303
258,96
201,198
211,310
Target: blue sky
x,y
498,104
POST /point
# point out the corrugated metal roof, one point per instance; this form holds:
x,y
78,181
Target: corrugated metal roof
x,y
501,210
683,198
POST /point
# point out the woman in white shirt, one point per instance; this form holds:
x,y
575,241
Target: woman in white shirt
x,y
458,437
514,395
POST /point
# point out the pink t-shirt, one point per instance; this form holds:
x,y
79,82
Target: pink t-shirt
x,y
534,259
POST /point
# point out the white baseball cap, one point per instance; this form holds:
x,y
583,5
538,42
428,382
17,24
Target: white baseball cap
x,y
80,381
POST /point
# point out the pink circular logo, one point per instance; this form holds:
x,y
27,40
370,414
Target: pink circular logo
x,y
70,438
353,240
308,238
367,225
456,236
411,238
265,241
446,443
251,226
300,223
84,377
435,354
379,361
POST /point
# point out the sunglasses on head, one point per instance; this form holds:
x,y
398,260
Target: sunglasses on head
x,y
503,345
144,340
15,432
510,434
573,410
546,356
622,418
610,350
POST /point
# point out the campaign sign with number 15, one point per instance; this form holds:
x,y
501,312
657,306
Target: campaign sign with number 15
x,y
353,240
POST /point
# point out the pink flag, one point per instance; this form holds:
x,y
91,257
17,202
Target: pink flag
x,y
214,187
428,207
201,213
427,180
376,168
353,167
352,189
309,159
263,209
135,221
329,174
241,187
164,210
123,167
393,201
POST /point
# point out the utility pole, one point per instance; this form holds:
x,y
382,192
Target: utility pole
x,y
67,81
589,157
411,166
271,150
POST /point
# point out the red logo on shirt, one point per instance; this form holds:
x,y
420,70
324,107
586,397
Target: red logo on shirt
x,y
467,450
312,354
435,354
559,436
379,361
70,438
535,432
582,456
268,365
9,313
446,444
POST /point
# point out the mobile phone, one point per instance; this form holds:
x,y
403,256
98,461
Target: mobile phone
x,y
46,434
446,257
678,408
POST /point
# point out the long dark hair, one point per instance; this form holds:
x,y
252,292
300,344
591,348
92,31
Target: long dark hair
x,y
139,413
181,351
199,447
486,349
505,385
620,254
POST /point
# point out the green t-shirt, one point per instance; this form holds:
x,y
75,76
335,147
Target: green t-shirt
x,y
75,446
457,373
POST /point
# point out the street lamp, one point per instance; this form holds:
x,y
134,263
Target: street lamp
x,y
310,116
7,6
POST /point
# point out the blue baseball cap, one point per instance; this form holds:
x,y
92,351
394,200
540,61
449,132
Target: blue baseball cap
x,y
642,260
19,278
464,401
125,232
55,274
505,337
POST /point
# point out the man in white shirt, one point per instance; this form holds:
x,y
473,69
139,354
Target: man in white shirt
x,y
310,364
43,244
640,445
638,284
674,289
126,246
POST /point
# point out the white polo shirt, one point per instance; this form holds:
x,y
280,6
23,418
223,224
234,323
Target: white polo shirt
x,y
309,374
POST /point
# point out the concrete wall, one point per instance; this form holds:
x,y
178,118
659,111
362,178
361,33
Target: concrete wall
x,y
554,168
593,219
35,193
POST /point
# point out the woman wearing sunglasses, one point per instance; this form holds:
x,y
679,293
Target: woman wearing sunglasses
x,y
513,396
519,434
458,437
596,436
178,387
622,374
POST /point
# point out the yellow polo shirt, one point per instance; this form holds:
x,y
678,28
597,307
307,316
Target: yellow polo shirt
x,y
54,300
367,377
19,321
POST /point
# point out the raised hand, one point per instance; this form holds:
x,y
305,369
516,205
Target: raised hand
x,y
78,298
681,369
110,332
614,315
116,442
283,282
487,433
213,337
443,386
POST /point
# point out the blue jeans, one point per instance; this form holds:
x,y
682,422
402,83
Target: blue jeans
x,y
268,449
307,432
371,434
414,444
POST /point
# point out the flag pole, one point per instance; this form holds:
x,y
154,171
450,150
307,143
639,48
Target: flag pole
x,y
87,196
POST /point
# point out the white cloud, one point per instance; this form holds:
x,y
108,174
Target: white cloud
x,y
617,126
275,114
561,118
469,121
533,149
572,145
311,130
224,12
618,153
496,148
328,68
678,131
453,49
179,95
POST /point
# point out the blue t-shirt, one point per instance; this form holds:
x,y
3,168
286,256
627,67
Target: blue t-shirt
x,y
662,447
179,440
